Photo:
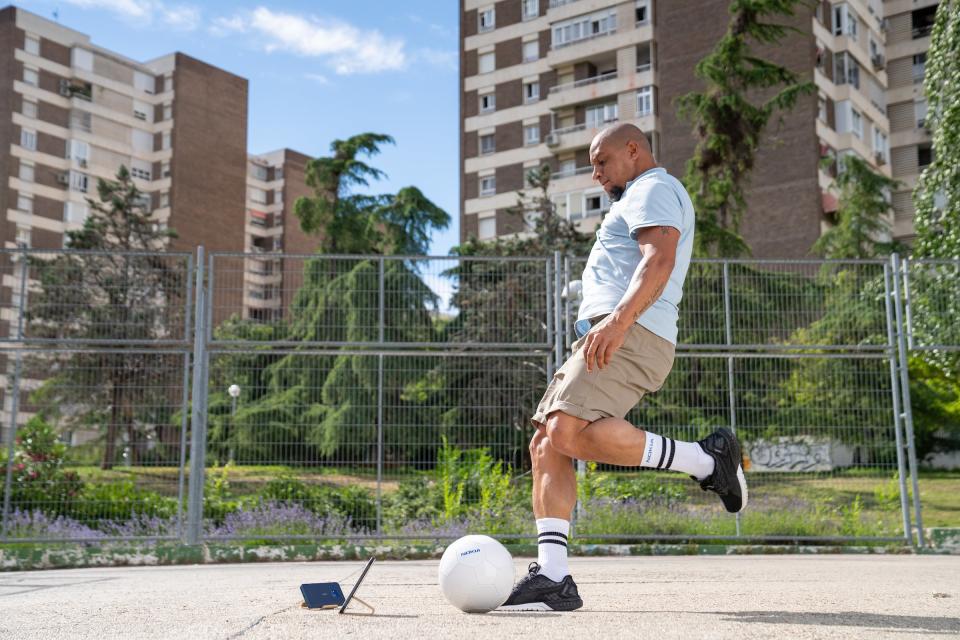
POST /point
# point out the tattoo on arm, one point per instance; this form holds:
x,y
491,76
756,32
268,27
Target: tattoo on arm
x,y
664,231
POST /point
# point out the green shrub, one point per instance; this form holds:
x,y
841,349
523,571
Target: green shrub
x,y
119,501
39,480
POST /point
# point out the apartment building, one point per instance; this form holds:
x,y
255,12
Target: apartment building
x,y
909,23
539,78
274,182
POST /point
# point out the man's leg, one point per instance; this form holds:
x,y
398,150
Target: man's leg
x,y
549,585
616,441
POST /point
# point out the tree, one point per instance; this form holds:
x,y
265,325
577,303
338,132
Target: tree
x,y
937,195
729,125
121,294
862,230
327,404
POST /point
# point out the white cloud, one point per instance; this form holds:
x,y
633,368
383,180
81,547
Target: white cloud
x,y
144,12
316,77
348,49
183,17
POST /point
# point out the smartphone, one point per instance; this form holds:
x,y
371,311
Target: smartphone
x,y
322,595
359,580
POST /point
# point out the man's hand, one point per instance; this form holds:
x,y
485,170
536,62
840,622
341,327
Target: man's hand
x,y
603,340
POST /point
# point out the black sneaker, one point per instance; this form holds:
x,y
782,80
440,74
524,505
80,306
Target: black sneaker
x,y
536,592
727,479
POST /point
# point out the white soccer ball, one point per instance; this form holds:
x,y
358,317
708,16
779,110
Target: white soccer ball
x,y
476,574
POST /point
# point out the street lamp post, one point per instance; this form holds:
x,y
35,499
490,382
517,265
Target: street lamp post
x,y
234,391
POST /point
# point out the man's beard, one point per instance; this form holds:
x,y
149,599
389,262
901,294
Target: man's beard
x,y
616,193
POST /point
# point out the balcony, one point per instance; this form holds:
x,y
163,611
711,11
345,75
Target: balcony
x,y
559,3
592,36
570,172
603,77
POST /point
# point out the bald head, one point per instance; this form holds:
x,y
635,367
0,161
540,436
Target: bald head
x,y
619,154
619,136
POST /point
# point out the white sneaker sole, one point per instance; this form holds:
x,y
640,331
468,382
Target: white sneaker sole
x,y
530,606
743,487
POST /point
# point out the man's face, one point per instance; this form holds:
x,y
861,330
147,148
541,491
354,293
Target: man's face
x,y
613,166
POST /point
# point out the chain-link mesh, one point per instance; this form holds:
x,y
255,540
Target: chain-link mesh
x,y
347,397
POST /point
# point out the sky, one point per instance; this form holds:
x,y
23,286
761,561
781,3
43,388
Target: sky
x,y
318,71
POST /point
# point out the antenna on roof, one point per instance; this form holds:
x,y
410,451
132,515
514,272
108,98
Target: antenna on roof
x,y
56,14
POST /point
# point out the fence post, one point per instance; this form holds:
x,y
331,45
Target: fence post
x,y
728,336
382,306
907,414
380,442
895,393
185,400
198,421
15,400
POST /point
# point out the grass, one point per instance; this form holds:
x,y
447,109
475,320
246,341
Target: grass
x,y
782,504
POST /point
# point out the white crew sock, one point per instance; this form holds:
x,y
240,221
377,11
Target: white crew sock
x,y
552,547
686,457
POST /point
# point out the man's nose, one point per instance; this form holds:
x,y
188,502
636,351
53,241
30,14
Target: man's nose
x,y
596,174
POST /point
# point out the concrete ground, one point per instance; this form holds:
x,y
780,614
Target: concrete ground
x,y
812,596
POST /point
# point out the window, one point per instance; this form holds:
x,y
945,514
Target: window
x,y
822,109
567,167
920,111
142,141
488,102
138,172
26,171
645,101
844,21
32,45
166,142
74,212
23,240
583,27
531,134
165,170
600,114
919,67
531,9
259,172
81,121
31,77
531,92
643,11
29,108
258,196
78,152
846,70
488,185
487,227
164,199
79,181
168,111
595,203
82,59
922,21
28,139
140,110
144,82
25,202
487,20
924,155
531,51
856,123
486,63
880,145
487,144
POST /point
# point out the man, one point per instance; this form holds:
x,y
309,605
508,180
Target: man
x,y
627,325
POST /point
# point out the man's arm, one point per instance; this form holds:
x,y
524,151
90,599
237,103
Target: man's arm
x,y
659,248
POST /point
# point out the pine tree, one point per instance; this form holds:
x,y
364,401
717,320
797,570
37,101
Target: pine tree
x,y
728,123
111,295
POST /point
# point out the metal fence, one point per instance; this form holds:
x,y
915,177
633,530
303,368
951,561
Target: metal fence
x,y
343,398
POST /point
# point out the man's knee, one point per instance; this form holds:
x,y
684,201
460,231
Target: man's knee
x,y
562,431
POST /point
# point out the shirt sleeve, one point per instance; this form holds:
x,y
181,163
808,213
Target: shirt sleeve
x,y
655,206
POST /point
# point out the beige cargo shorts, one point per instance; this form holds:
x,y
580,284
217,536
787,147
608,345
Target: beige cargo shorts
x,y
639,367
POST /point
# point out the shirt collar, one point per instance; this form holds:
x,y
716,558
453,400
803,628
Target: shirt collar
x,y
637,179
